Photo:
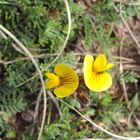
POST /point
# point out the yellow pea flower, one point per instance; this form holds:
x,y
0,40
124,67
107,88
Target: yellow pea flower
x,y
64,80
96,79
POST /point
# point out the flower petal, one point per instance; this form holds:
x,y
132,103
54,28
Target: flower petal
x,y
88,63
66,89
99,82
108,66
99,63
62,70
53,80
87,70
68,80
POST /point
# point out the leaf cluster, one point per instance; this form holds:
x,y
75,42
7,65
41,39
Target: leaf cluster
x,y
11,102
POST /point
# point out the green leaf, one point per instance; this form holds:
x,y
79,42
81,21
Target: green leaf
x,y
130,77
88,32
135,102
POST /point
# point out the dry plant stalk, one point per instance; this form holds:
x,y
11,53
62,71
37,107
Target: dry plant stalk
x,y
37,68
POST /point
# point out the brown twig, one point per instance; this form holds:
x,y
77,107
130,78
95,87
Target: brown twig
x,y
121,72
36,111
128,2
54,54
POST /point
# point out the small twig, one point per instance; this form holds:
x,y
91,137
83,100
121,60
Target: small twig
x,y
128,2
56,104
132,67
26,81
121,72
49,115
27,58
54,54
36,111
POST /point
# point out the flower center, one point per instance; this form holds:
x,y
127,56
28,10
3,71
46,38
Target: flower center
x,y
98,69
62,80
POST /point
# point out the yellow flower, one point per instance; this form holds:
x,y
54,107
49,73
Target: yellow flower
x,y
95,76
65,80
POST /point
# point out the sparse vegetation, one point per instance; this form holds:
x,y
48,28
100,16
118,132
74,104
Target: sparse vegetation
x,y
106,27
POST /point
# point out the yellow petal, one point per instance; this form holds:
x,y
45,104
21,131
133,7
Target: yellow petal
x,y
88,63
99,63
99,82
53,80
66,89
68,80
88,66
62,70
108,66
